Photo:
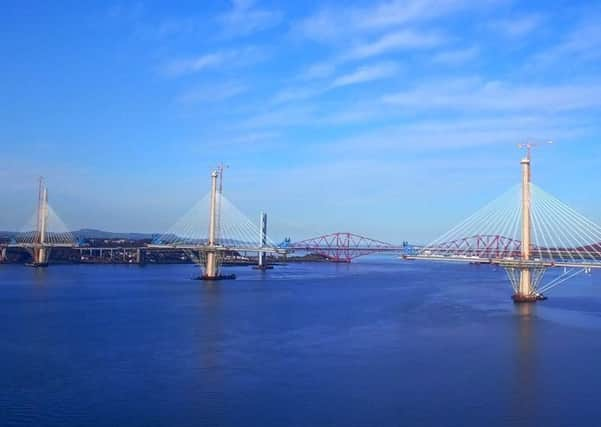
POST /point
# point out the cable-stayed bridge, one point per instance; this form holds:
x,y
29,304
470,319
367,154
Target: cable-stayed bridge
x,y
212,229
526,231
44,231
215,227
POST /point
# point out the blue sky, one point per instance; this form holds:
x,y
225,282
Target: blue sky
x,y
393,119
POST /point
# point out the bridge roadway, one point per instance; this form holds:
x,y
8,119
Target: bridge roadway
x,y
506,262
217,248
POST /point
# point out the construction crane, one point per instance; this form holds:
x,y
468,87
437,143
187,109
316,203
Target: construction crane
x,y
220,168
530,145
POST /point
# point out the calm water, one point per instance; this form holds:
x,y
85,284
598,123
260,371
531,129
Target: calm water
x,y
377,343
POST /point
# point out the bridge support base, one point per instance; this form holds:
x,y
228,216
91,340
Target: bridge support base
x,y
217,278
263,267
211,268
524,281
39,257
526,299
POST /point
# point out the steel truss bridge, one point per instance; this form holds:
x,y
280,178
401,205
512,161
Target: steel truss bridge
x,y
343,247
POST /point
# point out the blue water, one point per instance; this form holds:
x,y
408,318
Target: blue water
x,y
377,343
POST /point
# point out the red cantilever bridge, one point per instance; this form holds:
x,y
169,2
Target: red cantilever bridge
x,y
344,247
495,247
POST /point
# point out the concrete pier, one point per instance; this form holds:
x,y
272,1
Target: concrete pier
x,y
211,268
526,291
262,264
40,251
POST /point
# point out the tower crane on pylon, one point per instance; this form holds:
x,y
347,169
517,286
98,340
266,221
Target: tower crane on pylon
x,y
220,168
528,146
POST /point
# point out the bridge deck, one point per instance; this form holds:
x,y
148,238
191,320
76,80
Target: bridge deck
x,y
504,262
206,248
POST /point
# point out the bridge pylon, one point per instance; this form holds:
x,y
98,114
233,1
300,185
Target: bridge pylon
x,y
525,276
211,267
41,251
262,264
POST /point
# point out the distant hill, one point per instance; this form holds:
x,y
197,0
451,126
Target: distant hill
x,y
88,233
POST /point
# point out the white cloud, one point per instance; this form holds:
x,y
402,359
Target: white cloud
x,y
296,94
212,93
320,70
199,63
281,117
332,24
366,74
472,95
362,74
462,132
213,60
584,43
398,40
518,26
244,19
456,57
406,11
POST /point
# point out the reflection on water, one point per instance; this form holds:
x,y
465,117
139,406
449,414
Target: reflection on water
x,y
370,343
40,275
212,328
525,375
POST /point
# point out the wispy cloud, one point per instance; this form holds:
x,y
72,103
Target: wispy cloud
x,y
244,19
461,132
366,74
296,94
393,41
195,64
473,95
390,42
332,24
212,93
213,60
362,74
385,44
517,26
456,57
320,70
281,117
396,12
583,43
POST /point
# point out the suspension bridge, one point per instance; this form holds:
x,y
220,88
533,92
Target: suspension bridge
x,y
526,231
